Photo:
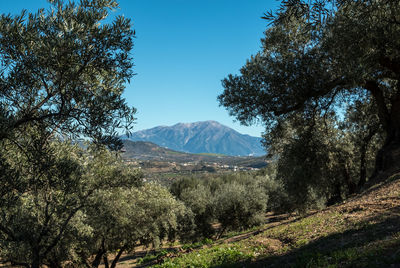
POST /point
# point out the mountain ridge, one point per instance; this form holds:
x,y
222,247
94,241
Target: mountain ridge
x,y
201,137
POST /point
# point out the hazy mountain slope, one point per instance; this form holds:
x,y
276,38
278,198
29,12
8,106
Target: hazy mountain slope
x,y
201,137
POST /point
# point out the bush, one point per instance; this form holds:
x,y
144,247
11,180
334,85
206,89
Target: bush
x,y
240,206
237,201
199,200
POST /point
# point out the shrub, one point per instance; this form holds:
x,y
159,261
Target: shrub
x,y
199,200
240,206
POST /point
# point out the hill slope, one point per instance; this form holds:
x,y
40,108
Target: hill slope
x,y
201,137
363,231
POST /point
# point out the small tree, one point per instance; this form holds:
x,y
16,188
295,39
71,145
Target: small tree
x,y
200,201
123,217
239,206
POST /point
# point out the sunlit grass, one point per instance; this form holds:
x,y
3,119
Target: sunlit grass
x,y
362,232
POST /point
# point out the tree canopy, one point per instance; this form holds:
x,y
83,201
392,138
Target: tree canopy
x,y
62,75
318,56
65,69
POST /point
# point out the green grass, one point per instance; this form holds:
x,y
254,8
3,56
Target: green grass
x,y
150,257
299,249
363,232
199,244
221,256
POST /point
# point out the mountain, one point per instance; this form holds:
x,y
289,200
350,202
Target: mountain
x,y
201,137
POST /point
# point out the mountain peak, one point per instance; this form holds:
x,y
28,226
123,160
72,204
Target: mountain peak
x,y
201,137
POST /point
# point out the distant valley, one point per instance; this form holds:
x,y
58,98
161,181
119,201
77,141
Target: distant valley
x,y
201,137
147,151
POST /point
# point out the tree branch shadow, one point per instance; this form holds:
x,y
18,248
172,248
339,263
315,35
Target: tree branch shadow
x,y
355,245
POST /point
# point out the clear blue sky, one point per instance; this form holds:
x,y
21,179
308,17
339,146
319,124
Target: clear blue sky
x,y
183,49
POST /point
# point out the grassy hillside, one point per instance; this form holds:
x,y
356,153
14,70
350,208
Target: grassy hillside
x,y
364,231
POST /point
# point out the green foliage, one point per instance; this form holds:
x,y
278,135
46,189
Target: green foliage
x,y
326,161
364,132
219,256
236,201
296,88
62,75
122,217
45,221
240,206
90,203
318,59
199,244
347,235
278,200
150,258
198,198
65,69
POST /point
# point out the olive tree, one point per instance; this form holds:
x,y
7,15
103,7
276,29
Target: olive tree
x,y
125,217
235,201
325,161
62,74
199,199
362,125
65,69
318,55
240,206
46,221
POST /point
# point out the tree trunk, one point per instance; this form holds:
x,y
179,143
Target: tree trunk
x,y
336,196
363,154
97,259
54,263
35,258
19,264
221,233
388,157
351,186
100,253
105,259
35,262
363,167
116,259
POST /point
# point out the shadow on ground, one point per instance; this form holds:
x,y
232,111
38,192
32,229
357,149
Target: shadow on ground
x,y
374,242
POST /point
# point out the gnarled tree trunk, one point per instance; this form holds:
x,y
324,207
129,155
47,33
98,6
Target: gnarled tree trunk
x,y
116,259
388,157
